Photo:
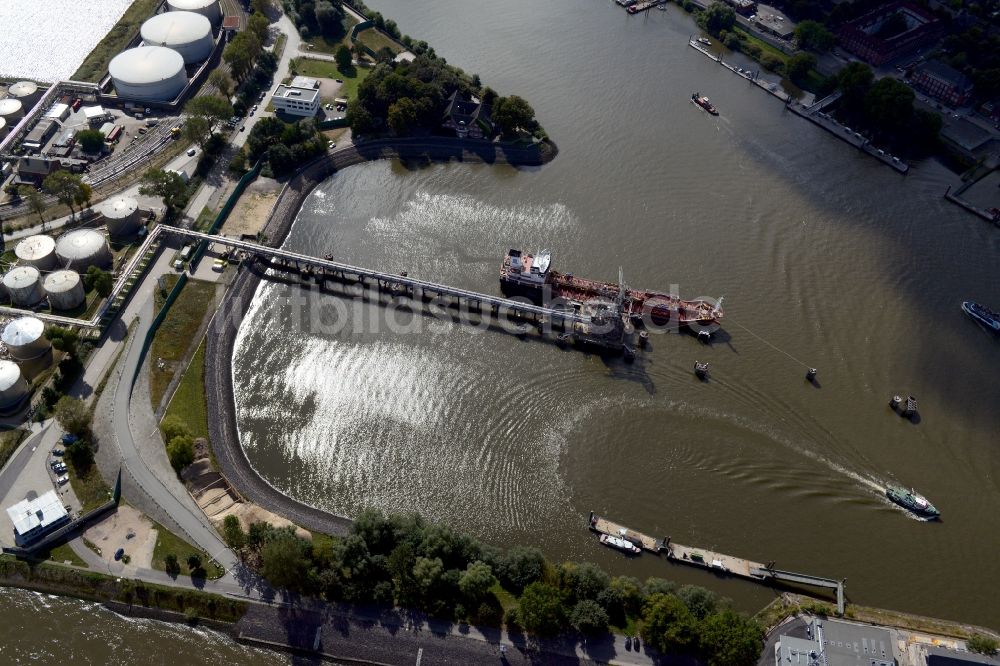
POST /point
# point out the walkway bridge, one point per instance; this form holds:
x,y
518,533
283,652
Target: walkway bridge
x,y
805,579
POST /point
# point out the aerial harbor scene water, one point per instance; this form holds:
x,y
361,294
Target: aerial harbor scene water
x,y
431,332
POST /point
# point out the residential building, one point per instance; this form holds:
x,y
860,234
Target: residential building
x,y
33,170
943,82
889,32
834,643
468,118
296,101
35,518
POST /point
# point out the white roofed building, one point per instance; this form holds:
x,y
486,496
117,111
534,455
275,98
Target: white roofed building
x,y
33,519
296,101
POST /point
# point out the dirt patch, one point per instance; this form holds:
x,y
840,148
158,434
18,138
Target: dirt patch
x,y
114,532
251,513
251,212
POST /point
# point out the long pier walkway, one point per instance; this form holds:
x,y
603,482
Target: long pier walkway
x,y
719,563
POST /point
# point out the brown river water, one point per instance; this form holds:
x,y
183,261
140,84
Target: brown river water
x,y
825,258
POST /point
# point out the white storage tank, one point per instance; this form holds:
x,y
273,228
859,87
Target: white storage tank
x,y
22,89
148,73
188,33
82,248
210,9
24,285
11,109
14,388
25,338
37,251
64,289
122,216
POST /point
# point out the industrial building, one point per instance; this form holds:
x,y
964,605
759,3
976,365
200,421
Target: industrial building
x,y
296,101
58,112
122,216
82,248
940,656
40,134
35,518
23,283
33,170
865,37
64,289
14,388
38,251
148,73
833,643
188,33
210,9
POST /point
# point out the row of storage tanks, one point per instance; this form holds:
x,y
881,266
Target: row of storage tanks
x,y
64,259
12,105
30,352
178,37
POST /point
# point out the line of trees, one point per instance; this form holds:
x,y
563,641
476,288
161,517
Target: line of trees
x,y
405,561
286,146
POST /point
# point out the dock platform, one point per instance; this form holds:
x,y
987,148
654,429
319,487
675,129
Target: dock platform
x,y
605,526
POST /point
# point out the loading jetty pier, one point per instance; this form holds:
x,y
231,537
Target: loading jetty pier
x,y
718,563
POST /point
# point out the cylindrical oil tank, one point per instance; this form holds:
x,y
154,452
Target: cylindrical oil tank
x,y
22,89
11,109
64,289
188,33
25,338
148,73
82,248
210,9
14,388
24,284
3,127
37,251
122,216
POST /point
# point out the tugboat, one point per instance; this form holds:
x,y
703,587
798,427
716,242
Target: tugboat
x,y
620,544
912,501
703,102
983,315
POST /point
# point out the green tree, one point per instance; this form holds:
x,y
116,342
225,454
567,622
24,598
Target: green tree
x,y
814,36
982,644
522,565
72,415
170,564
259,26
233,533
68,188
343,58
511,113
583,580
772,62
729,639
799,65
283,560
402,116
35,201
668,625
221,79
540,609
281,159
700,601
241,52
98,280
853,81
359,118
212,108
197,130
622,597
716,18
476,581
172,426
262,6
167,185
589,618
180,451
889,105
92,141
194,561
328,17
81,454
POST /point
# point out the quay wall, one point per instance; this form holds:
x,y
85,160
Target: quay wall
x,y
221,338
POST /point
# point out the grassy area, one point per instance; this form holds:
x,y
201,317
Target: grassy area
x,y
205,219
188,402
321,44
9,441
279,45
764,46
169,543
322,69
375,39
176,333
96,63
89,487
64,553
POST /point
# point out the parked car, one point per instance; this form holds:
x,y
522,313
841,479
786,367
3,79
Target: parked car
x,y
62,480
57,452
69,439
119,553
191,152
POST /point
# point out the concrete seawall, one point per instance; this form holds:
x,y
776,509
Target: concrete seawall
x,y
221,338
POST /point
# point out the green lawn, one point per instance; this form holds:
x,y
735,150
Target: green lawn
x,y
764,46
63,553
89,487
375,39
96,63
177,332
9,441
279,45
188,402
322,69
167,542
322,44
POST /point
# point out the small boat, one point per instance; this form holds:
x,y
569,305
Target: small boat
x,y
983,315
620,543
703,102
703,40
912,501
701,370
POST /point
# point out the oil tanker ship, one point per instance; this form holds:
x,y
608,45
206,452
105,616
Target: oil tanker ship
x,y
531,275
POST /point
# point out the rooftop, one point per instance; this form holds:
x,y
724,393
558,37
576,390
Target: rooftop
x,y
938,656
292,92
967,135
39,513
304,82
834,643
945,73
